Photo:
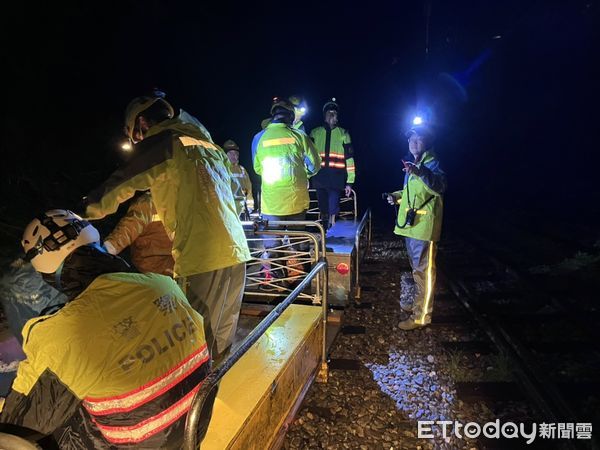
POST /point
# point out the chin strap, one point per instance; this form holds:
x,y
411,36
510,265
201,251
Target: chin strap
x,y
57,275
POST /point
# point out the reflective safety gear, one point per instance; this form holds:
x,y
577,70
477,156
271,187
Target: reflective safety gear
x,y
139,105
421,255
284,158
423,194
49,239
241,187
299,125
230,145
421,197
200,127
337,157
190,182
142,231
115,368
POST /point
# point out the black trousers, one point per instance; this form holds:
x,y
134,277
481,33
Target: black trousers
x,y
329,201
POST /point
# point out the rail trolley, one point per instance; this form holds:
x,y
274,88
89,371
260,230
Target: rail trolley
x,y
286,326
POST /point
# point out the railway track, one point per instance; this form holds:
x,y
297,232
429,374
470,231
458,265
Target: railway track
x,y
549,348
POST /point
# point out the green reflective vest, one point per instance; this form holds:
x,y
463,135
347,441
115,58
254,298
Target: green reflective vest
x,y
424,194
335,149
284,158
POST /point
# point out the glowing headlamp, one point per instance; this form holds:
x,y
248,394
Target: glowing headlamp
x,y
301,109
126,146
418,120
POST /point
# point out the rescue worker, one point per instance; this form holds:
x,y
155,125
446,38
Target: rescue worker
x,y
240,180
300,110
190,182
116,366
338,171
420,221
143,232
285,158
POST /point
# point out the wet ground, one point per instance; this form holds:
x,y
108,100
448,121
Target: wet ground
x,y
401,377
386,379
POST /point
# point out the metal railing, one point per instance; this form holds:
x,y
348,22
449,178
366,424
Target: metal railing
x,y
190,439
348,206
287,256
366,219
353,201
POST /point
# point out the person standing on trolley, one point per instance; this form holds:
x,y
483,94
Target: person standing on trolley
x,y
241,186
338,171
189,178
420,220
284,158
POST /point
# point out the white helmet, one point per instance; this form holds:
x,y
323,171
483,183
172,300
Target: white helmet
x,y
50,238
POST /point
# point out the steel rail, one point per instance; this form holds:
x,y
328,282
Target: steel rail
x,y
535,383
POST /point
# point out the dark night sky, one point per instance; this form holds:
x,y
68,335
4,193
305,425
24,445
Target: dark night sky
x,y
526,125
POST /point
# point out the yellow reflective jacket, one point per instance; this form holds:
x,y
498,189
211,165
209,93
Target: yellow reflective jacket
x,y
240,184
142,231
116,367
296,125
424,194
284,158
337,157
190,181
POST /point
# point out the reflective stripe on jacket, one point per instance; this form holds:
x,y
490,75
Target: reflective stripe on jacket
x,y
117,367
142,231
284,158
337,154
416,193
190,182
240,183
